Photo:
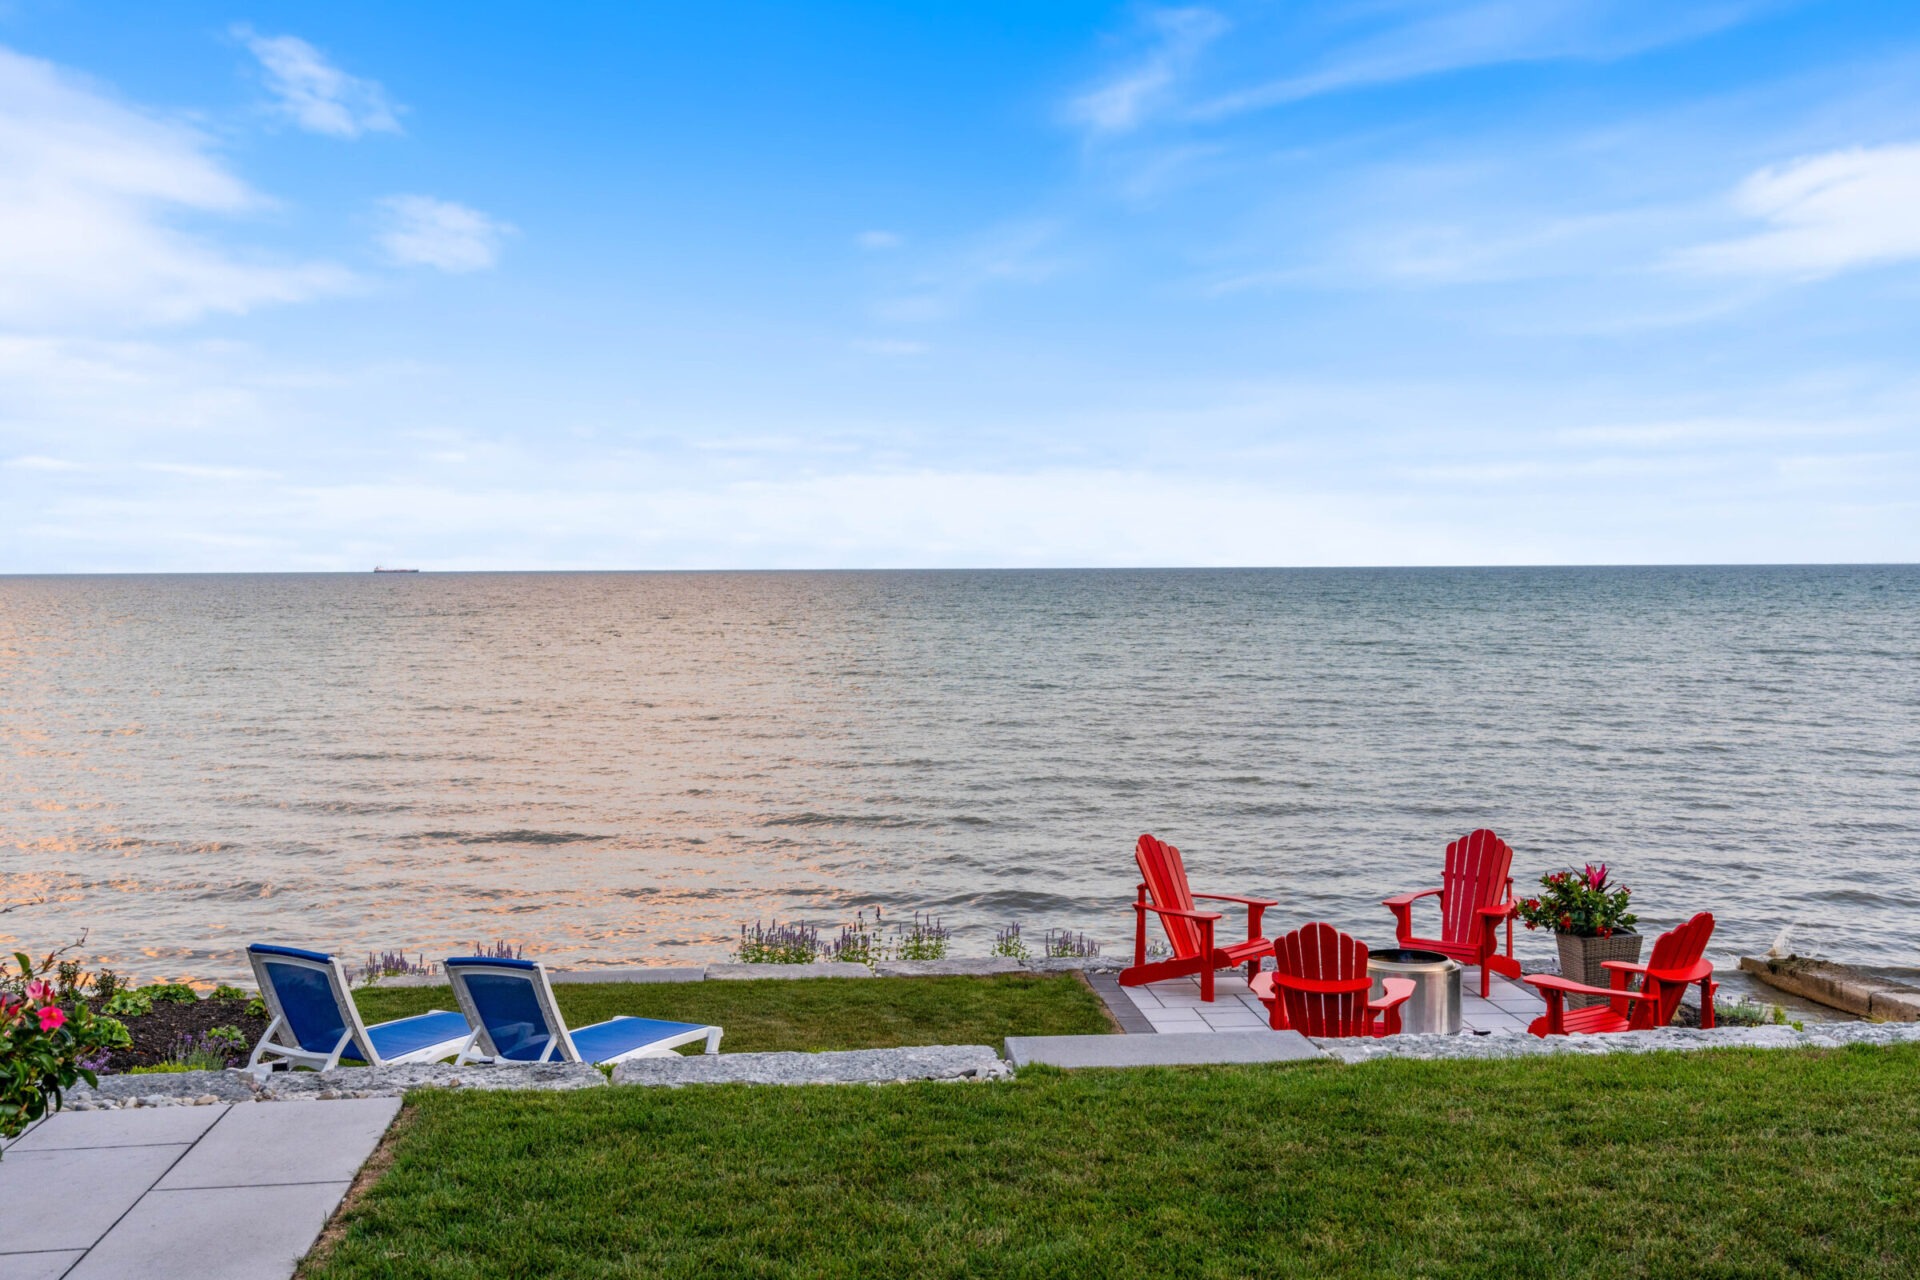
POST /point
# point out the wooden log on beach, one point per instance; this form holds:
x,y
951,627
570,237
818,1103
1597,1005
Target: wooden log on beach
x,y
1837,985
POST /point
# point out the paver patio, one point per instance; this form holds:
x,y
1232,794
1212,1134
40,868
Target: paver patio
x,y
1175,1005
230,1192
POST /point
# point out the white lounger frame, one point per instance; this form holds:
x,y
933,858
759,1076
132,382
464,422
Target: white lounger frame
x,y
480,1046
295,1056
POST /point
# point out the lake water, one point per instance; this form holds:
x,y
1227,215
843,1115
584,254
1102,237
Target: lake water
x,y
624,767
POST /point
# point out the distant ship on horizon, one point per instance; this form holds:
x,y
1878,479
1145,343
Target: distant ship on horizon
x,y
383,569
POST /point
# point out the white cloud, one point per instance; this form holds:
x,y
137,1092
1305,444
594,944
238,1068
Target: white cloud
x,y
40,462
315,94
1828,213
879,240
1123,102
89,189
1452,37
422,231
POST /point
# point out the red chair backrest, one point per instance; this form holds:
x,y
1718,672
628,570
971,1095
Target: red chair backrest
x,y
1323,953
1674,952
1478,865
1166,879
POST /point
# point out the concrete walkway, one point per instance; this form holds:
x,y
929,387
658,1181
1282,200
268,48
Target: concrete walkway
x,y
237,1192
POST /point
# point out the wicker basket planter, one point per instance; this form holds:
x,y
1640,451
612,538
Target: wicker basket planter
x,y
1581,958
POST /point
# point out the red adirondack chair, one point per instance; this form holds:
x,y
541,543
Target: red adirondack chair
x,y
1163,890
1677,962
1476,894
1320,985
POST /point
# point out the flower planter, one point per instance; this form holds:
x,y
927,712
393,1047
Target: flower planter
x,y
1581,958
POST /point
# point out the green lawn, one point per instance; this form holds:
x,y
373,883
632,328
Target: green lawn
x,y
1733,1163
815,1013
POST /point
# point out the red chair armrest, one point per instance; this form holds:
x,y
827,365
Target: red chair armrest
x,y
1701,968
1397,991
1408,899
1245,902
1547,982
1499,912
1173,911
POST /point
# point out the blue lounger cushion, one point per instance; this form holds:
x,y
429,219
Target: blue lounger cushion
x,y
407,1035
616,1036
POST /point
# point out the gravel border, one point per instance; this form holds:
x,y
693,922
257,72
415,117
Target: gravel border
x,y
947,1062
1819,1035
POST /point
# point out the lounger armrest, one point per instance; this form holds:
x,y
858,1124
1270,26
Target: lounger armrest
x,y
1245,902
1548,982
1396,992
1408,899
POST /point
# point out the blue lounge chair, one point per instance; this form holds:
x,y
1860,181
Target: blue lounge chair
x,y
515,1019
318,1026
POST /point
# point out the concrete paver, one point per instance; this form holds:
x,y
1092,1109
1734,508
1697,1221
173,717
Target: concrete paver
x,y
228,1233
145,1127
68,1199
1191,1049
37,1266
285,1142
201,1193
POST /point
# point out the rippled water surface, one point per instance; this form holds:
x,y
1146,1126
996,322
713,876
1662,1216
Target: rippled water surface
x,y
620,767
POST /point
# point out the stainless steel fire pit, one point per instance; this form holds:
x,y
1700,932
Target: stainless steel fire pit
x,y
1435,1003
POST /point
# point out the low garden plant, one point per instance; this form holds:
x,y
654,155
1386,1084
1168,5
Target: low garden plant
x,y
1008,942
394,964
45,1046
211,1050
777,943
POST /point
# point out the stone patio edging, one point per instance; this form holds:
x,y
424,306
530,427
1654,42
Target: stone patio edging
x,y
1820,1035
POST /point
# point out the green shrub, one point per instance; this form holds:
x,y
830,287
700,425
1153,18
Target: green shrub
x,y
256,1008
225,992
129,1004
171,992
44,1048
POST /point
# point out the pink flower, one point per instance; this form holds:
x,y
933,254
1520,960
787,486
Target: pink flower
x,y
51,1017
1596,876
39,992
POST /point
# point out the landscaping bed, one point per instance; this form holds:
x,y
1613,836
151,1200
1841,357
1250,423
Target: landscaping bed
x,y
1728,1163
811,1014
174,1029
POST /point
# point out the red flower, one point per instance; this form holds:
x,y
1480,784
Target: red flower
x,y
1606,933
1566,922
51,1017
1533,904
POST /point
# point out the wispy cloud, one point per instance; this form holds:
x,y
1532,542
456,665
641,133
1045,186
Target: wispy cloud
x,y
315,94
1017,253
1443,37
89,188
877,241
1176,38
1827,213
423,231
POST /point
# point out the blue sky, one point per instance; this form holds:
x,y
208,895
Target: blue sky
x,y
1383,282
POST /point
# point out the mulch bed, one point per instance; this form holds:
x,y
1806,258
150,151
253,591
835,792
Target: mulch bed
x,y
156,1034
